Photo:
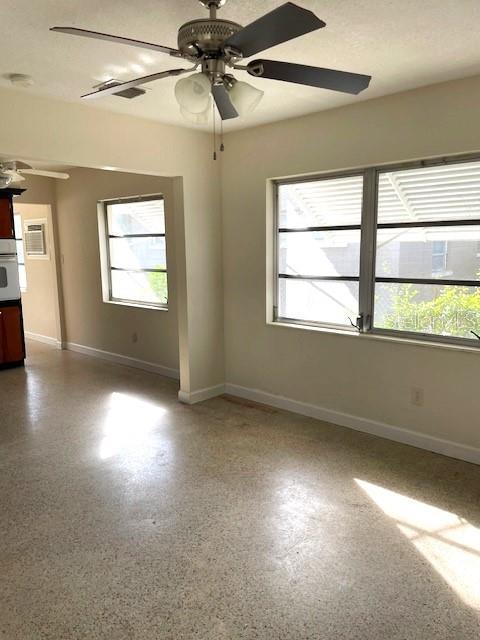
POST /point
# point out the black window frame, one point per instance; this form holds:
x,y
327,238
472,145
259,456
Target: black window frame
x,y
364,324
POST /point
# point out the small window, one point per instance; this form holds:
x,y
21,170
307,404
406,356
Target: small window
x,y
136,251
22,272
439,257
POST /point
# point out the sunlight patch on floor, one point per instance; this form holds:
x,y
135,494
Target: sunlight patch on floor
x,y
129,425
450,543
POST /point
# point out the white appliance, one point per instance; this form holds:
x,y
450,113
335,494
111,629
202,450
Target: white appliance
x,y
9,282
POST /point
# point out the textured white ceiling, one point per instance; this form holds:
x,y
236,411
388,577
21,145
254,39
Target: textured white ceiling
x,y
402,44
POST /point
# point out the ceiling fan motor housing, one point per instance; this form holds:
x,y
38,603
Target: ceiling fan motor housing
x,y
216,3
206,37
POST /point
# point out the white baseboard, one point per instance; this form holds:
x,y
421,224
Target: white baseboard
x,y
124,360
44,339
398,434
201,394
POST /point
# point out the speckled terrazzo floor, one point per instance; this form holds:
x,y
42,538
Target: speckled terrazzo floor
x,y
127,515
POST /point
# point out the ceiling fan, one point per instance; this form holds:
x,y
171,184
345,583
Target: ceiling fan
x,y
13,171
218,46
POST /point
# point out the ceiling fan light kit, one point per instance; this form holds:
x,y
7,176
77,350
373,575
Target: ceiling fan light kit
x,y
5,180
198,118
216,48
193,93
245,98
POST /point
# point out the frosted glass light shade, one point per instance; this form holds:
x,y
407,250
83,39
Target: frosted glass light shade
x,y
5,180
245,98
193,93
197,118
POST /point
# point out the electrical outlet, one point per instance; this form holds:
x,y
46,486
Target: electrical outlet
x,y
135,337
417,397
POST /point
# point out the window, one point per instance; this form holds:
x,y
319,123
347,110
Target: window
x,y
439,257
135,251
22,272
390,251
319,250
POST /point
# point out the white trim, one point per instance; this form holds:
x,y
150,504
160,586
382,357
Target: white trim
x,y
137,305
201,395
352,333
45,339
124,360
390,432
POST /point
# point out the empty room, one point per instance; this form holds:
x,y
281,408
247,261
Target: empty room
x,y
239,320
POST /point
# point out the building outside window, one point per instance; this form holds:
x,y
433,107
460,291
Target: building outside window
x,y
391,250
135,264
22,272
439,257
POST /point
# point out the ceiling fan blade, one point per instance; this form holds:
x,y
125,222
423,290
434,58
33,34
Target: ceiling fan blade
x,y
45,174
224,104
280,25
118,39
312,76
122,86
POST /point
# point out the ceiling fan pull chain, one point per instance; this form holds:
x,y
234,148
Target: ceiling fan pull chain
x,y
222,146
214,134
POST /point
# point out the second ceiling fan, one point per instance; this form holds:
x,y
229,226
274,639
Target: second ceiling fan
x,y
218,46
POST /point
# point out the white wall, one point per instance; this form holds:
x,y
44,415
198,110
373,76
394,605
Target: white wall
x,y
75,134
354,375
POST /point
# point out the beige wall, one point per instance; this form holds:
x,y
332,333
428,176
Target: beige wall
x,y
75,134
89,321
40,302
355,375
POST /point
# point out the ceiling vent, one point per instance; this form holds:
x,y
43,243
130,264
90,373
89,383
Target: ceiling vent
x,y
133,92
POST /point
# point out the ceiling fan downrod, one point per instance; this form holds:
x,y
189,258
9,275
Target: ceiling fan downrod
x,y
213,6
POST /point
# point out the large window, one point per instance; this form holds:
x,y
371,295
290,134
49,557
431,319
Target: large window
x,y
22,272
136,259
388,251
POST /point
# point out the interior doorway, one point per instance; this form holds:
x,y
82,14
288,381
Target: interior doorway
x,y
35,238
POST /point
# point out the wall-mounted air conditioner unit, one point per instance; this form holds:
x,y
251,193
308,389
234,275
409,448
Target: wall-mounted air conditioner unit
x,y
35,239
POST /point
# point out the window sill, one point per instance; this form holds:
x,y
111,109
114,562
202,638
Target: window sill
x,y
134,305
377,337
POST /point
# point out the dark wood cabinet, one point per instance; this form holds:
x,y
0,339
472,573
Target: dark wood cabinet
x,y
12,338
12,342
7,229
